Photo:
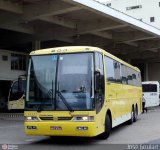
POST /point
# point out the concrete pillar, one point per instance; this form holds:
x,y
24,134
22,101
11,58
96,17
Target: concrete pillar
x,y
146,72
36,45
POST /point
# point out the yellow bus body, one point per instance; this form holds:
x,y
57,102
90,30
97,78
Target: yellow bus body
x,y
119,100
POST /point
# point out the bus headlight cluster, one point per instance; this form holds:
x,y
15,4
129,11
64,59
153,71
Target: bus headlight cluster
x,y
31,118
83,118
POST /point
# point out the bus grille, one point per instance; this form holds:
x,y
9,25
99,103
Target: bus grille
x,y
64,118
59,118
46,118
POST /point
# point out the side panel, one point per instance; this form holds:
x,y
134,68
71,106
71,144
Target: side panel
x,y
122,90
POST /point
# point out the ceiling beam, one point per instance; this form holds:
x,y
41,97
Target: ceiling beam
x,y
18,28
131,43
102,34
98,26
11,7
131,36
152,45
47,8
59,21
56,33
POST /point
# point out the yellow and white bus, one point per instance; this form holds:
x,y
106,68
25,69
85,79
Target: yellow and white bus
x,y
80,91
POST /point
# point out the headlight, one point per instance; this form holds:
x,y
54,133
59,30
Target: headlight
x,y
31,118
83,118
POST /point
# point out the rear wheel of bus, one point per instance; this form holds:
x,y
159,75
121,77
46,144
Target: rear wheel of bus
x,y
135,114
132,116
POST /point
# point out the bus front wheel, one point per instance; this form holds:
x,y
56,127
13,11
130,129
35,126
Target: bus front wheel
x,y
108,127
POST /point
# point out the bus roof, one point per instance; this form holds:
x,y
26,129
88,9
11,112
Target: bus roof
x,y
76,49
150,82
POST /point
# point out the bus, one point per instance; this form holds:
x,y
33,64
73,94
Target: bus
x,y
80,91
151,93
16,94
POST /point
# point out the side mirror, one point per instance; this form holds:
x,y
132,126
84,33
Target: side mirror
x,y
99,80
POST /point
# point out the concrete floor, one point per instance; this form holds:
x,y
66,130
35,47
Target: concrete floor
x,y
145,131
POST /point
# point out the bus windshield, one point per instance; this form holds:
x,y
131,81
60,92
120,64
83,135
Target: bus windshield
x,y
149,87
60,82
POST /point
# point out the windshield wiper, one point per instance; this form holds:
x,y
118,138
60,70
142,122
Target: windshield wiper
x,y
64,101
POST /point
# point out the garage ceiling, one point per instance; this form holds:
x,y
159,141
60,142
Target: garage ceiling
x,y
77,22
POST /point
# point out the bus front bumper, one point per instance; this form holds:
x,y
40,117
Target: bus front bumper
x,y
83,129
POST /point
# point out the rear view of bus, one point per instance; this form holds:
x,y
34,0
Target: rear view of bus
x,y
151,93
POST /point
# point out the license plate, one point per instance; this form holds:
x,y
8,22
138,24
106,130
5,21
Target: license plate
x,y
55,128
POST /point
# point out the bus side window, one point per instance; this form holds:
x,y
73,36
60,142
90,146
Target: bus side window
x,y
124,74
99,95
130,77
139,82
110,75
117,71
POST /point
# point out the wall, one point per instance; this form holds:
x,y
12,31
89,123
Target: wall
x,y
150,8
5,67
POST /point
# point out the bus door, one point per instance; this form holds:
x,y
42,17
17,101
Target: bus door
x,y
99,89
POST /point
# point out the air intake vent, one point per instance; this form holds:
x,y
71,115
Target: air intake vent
x,y
46,118
64,118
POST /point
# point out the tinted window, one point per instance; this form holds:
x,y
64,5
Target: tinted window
x,y
120,73
15,87
110,74
129,76
134,77
99,62
149,87
99,95
139,82
117,70
124,74
18,62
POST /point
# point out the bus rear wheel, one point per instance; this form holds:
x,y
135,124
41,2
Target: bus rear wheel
x,y
135,114
108,127
132,116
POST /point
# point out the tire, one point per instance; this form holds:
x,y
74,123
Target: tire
x,y
135,114
132,116
2,103
108,127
